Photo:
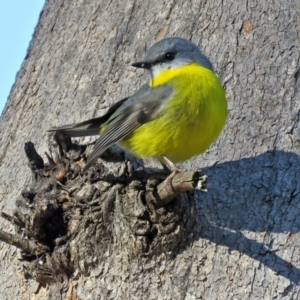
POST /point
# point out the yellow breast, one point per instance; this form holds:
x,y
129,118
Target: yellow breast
x,y
189,122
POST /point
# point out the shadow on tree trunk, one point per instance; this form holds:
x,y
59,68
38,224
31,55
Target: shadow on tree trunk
x,y
264,198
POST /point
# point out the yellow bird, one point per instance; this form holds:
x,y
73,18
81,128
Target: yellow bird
x,y
178,114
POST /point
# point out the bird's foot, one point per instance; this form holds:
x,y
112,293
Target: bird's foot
x,y
169,165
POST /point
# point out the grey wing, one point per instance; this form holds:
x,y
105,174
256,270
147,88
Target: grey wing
x,y
141,107
89,127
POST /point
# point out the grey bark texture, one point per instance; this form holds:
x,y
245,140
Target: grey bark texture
x,y
240,240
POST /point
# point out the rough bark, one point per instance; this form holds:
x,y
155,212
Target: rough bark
x,y
241,238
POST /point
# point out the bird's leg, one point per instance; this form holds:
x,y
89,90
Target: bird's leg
x,y
163,163
169,165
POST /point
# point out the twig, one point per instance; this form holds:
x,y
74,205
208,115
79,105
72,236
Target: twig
x,y
23,244
51,162
12,219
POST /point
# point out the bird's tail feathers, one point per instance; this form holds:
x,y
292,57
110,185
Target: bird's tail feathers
x,y
89,127
86,128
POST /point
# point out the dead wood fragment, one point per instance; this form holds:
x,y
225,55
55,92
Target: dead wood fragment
x,y
26,245
35,160
51,162
167,190
12,219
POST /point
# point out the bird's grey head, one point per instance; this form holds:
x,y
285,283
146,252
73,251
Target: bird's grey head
x,y
172,53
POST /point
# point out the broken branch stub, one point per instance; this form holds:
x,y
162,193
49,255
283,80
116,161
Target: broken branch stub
x,y
66,220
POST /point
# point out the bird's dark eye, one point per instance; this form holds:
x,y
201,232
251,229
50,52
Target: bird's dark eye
x,y
170,56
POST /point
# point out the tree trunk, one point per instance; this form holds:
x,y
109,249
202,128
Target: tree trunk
x,y
240,240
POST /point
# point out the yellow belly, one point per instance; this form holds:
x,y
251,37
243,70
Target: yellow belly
x,y
189,122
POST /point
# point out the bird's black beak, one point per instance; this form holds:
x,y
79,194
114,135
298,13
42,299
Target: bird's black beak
x,y
142,64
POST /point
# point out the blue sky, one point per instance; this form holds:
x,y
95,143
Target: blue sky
x,y
18,19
